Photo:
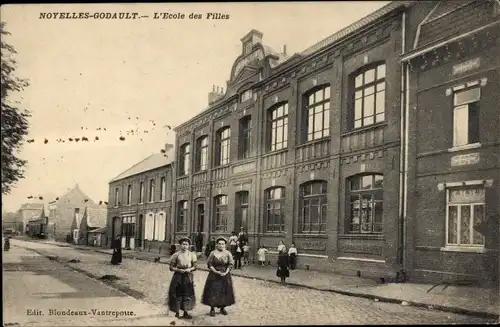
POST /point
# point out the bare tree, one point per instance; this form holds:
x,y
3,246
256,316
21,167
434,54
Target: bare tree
x,y
14,119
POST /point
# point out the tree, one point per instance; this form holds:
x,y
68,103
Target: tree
x,y
14,120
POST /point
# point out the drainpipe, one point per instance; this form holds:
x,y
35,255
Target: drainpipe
x,y
402,179
405,204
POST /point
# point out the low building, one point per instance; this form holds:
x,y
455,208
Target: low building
x,y
94,217
37,227
98,237
27,212
140,203
65,213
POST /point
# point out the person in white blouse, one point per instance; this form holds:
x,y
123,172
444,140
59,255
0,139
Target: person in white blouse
x,y
292,255
281,247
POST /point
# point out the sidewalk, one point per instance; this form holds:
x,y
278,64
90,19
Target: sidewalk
x,y
458,299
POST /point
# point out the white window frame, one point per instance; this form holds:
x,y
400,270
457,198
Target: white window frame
x,y
478,248
465,106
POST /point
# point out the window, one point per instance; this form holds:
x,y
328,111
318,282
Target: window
x,y
77,215
464,211
245,137
223,143
129,195
369,96
240,219
278,127
159,227
184,160
313,207
202,154
151,190
117,195
220,222
318,113
466,117
182,217
275,215
163,186
245,96
365,203
141,192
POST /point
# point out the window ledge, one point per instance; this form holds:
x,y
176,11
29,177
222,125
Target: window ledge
x,y
364,128
465,147
471,249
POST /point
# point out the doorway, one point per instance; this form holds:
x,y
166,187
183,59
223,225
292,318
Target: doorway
x,y
241,214
140,231
200,218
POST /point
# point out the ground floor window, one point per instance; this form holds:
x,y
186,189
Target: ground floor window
x,y
365,203
465,211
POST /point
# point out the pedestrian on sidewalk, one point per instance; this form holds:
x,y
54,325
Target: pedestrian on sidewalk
x,y
181,291
292,255
238,255
282,272
232,243
218,291
116,258
246,254
281,247
210,247
261,254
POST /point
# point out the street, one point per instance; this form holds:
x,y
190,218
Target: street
x,y
34,282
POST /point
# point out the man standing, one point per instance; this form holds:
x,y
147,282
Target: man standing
x,y
243,237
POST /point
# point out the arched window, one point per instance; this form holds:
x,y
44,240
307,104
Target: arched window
x,y
244,139
245,96
278,127
184,160
365,203
141,192
201,154
318,113
220,207
369,96
275,210
313,207
163,188
151,190
129,194
182,208
223,144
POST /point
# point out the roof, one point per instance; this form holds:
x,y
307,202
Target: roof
x,y
100,230
31,206
96,216
356,26
154,161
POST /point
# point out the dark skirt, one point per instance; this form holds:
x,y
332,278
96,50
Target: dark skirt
x,y
116,258
293,261
181,293
218,291
282,271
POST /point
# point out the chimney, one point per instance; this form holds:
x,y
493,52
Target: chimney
x,y
215,95
284,49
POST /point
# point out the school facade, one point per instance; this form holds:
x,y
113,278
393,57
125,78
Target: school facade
x,y
315,149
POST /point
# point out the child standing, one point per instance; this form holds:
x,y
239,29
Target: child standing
x,y
246,254
262,255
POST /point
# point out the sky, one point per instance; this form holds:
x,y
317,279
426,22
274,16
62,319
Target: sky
x,y
134,75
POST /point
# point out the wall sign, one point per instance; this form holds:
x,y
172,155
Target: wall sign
x,y
466,66
465,159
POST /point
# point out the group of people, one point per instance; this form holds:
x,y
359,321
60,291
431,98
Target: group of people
x,y
218,291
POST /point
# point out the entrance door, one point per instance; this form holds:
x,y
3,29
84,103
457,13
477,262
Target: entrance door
x,y
140,231
200,217
240,217
116,227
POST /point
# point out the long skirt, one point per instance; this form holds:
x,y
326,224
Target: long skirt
x,y
293,261
181,293
218,291
116,258
282,271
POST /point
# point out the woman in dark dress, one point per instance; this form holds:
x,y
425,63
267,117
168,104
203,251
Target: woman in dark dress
x,y
116,258
218,291
283,271
181,291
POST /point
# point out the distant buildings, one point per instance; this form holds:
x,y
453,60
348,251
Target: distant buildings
x,y
29,212
66,212
94,217
140,203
